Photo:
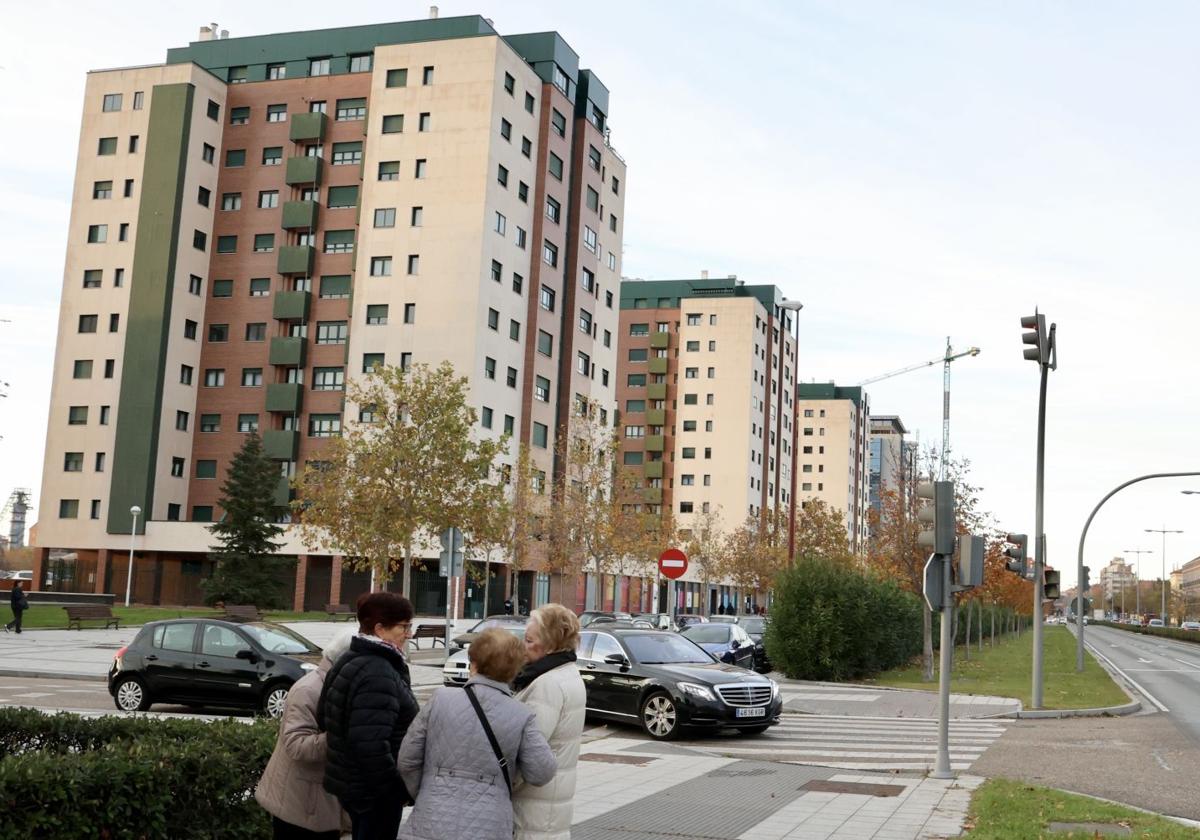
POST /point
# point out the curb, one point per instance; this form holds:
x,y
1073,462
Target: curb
x,y
49,675
1044,714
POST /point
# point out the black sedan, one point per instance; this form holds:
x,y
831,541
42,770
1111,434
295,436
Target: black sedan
x,y
211,663
727,643
755,626
663,682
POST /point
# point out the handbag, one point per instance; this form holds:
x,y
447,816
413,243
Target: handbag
x,y
491,736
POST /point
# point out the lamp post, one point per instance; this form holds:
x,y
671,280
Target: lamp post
x,y
1162,582
134,511
1137,576
794,306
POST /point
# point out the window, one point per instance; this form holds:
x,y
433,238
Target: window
x,y
92,278
501,224
239,116
218,332
526,147
329,379
138,98
260,287
712,373
97,234
505,129
485,417
689,425
82,369
332,332
276,71
523,192
268,199
692,346
104,411
514,330
612,222
272,156
397,77
370,360
539,435
393,123
324,425
550,253
691,373
510,83
235,157
593,200
556,166
639,329
231,201
632,459
347,153
107,146
585,321
112,102
608,299
360,63
264,243
558,122
68,508
583,363
133,144
276,113
77,415
420,168
522,238
181,421
185,374
389,170
423,122
501,176
427,76
377,314
529,102
489,367
616,185
693,319
103,189
636,380
594,158
381,266
546,298
256,332
73,462
222,288
497,271
685,507
385,217
416,218
201,513
689,452
206,469
509,423
690,399
251,377
336,286
518,282
339,241
545,343
177,467
110,368
541,389
414,263
87,323
493,319
318,67
553,210
589,239
214,378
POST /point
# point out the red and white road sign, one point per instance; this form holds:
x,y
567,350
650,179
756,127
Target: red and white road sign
x,y
673,563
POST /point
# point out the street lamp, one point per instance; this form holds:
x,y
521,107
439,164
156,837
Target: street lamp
x,y
793,306
1163,580
134,511
1137,576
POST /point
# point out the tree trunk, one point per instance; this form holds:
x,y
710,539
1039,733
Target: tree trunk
x,y
979,627
487,581
967,638
926,644
406,574
993,625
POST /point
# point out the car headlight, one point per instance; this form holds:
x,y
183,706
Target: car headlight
x,y
696,690
307,666
774,689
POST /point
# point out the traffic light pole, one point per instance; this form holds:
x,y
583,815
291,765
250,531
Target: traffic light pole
x,y
941,768
1039,561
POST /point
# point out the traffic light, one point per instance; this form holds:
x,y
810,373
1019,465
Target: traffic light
x,y
1086,583
1039,351
1016,552
938,513
1050,589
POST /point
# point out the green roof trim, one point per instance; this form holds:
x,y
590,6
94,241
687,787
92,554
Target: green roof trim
x,y
829,391
646,294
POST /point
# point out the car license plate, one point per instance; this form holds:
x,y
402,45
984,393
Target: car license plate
x,y
756,712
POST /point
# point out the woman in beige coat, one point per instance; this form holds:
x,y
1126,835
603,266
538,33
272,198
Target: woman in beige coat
x,y
290,789
550,685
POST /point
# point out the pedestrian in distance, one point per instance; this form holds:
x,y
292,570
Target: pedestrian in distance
x,y
508,606
462,752
291,787
19,603
366,707
551,686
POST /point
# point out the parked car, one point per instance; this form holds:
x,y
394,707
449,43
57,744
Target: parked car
x,y
726,642
665,682
207,662
661,621
724,619
463,640
1156,622
589,616
686,620
1190,625
755,626
457,669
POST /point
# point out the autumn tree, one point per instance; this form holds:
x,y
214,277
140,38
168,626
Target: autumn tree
x,y
821,532
415,466
757,550
707,548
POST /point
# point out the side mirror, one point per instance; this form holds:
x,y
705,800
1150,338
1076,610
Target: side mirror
x,y
247,654
616,659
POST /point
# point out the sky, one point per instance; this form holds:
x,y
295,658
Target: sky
x,y
910,172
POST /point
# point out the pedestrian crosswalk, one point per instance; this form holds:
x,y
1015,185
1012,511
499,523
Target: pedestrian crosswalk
x,y
856,743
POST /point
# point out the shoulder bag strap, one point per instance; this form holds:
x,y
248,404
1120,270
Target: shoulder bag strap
x,y
491,736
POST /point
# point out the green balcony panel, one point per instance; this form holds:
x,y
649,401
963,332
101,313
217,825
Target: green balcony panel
x,y
285,397
653,469
658,340
656,391
656,365
281,444
304,170
653,495
654,443
283,491
295,259
308,126
291,306
656,417
299,215
286,350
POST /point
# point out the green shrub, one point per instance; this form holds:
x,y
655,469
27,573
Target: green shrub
x,y
1165,632
120,778
833,622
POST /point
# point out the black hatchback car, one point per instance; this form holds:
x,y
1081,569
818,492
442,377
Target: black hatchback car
x,y
664,682
205,662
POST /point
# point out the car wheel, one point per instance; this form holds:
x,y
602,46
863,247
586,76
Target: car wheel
x,y
753,730
275,699
131,695
660,717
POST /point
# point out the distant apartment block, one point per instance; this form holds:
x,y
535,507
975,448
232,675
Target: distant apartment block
x,y
887,467
833,459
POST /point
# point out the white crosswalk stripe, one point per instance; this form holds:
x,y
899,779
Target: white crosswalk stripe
x,y
857,743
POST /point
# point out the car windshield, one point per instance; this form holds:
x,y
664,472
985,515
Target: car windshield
x,y
708,634
275,638
754,625
664,649
489,623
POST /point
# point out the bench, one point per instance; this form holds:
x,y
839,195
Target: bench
x,y
340,611
242,612
437,632
78,613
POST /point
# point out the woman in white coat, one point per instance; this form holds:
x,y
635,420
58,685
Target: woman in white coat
x,y
550,685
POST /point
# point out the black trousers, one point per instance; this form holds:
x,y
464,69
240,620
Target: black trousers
x,y
286,831
381,822
16,622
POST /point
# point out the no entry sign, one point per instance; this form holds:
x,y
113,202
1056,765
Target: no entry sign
x,y
673,563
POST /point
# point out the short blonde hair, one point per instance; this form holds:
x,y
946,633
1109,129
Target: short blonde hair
x,y
497,654
558,626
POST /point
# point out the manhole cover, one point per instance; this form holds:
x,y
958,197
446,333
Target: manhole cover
x,y
639,760
862,788
1092,829
758,771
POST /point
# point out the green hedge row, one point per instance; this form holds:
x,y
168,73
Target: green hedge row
x,y
1166,632
830,621
123,778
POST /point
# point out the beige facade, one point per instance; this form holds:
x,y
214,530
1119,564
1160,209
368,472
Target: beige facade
x,y
833,458
1116,581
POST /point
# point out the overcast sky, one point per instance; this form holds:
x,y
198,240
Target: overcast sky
x,y
909,171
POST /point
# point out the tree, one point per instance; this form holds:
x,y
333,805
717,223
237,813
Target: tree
x,y
248,567
412,469
756,551
707,548
821,532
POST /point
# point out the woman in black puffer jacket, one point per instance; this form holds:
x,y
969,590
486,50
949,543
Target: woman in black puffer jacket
x,y
365,709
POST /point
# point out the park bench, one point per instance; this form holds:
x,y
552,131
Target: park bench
x,y
437,632
78,613
340,611
242,612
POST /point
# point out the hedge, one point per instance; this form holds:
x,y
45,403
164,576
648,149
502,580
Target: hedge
x,y
1177,633
124,778
830,621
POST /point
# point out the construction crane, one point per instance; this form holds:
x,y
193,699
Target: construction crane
x,y
945,359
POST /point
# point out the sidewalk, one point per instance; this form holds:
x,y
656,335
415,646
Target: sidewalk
x,y
822,698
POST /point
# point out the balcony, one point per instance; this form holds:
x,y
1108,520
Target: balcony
x,y
653,469
283,491
656,416
656,391
308,126
658,340
281,444
286,350
299,215
295,259
291,306
285,397
303,170
656,365
652,495
654,443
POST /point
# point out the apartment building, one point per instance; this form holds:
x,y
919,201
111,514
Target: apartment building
x,y
833,458
259,220
705,385
1117,584
887,461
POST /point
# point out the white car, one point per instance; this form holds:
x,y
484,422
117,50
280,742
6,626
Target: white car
x,y
457,669
1191,625
1156,622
